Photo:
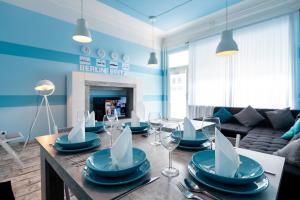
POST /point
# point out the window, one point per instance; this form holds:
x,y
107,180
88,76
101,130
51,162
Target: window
x,y
178,63
260,75
178,59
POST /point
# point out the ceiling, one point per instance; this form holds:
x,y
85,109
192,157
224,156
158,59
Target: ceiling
x,y
193,10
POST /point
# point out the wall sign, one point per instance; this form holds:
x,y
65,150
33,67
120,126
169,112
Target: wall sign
x,y
100,62
125,64
84,60
101,65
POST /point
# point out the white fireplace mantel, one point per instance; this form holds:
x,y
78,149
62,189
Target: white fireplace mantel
x,y
76,90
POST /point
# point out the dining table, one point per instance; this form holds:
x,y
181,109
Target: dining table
x,y
66,169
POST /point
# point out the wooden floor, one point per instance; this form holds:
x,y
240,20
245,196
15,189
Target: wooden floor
x,y
26,181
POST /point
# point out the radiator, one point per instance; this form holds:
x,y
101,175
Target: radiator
x,y
199,111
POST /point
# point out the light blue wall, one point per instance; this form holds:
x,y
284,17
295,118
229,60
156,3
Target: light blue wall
x,y
35,47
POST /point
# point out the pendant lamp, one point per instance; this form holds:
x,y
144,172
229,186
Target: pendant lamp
x,y
82,33
227,45
152,62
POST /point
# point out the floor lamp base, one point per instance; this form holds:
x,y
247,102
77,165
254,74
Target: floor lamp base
x,y
49,114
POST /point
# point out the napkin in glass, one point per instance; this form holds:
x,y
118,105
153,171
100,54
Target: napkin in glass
x,y
90,120
189,130
135,120
77,134
227,160
121,150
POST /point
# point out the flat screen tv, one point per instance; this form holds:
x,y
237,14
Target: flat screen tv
x,y
110,105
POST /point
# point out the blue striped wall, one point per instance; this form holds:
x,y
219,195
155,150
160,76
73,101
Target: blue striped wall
x,y
34,47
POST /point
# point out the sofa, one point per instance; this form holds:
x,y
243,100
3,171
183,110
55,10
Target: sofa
x,y
264,138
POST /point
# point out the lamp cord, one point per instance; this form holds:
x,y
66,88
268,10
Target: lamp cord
x,y
152,23
226,15
81,9
171,9
158,15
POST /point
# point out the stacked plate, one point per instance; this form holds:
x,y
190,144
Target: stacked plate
x,y
99,168
249,178
62,144
200,142
142,128
97,128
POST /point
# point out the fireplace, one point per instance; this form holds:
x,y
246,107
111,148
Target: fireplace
x,y
92,91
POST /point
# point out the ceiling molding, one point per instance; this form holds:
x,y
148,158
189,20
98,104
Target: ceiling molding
x,y
241,14
98,15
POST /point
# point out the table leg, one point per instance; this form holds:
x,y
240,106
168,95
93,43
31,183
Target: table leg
x,y
52,187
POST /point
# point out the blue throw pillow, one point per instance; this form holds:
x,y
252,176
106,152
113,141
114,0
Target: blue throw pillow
x,y
223,114
294,130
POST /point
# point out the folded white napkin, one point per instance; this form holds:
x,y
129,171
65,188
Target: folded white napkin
x,y
189,132
141,111
227,160
77,134
135,120
121,150
90,120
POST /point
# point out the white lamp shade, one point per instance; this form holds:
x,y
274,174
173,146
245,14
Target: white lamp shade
x,y
82,33
227,45
152,62
45,87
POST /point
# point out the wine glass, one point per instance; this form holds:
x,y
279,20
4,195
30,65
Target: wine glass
x,y
80,115
112,115
209,126
108,127
170,141
155,123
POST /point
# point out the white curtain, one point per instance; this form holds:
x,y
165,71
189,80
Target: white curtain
x,y
207,75
260,75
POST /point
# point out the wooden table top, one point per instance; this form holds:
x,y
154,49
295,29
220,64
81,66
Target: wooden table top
x,y
69,168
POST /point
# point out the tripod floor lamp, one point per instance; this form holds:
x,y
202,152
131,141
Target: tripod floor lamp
x,y
43,88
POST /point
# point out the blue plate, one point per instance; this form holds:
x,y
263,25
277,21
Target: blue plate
x,y
248,171
143,126
141,131
95,143
98,128
202,146
255,187
200,139
139,173
66,144
101,164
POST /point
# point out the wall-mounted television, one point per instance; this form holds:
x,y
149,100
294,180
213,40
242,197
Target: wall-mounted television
x,y
103,105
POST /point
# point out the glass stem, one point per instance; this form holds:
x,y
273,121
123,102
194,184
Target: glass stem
x,y
170,160
111,140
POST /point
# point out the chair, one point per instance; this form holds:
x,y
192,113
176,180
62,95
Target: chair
x,y
6,191
4,142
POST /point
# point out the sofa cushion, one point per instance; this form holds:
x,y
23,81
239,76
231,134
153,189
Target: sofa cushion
x,y
223,114
296,137
249,117
235,128
294,130
264,140
281,119
291,152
